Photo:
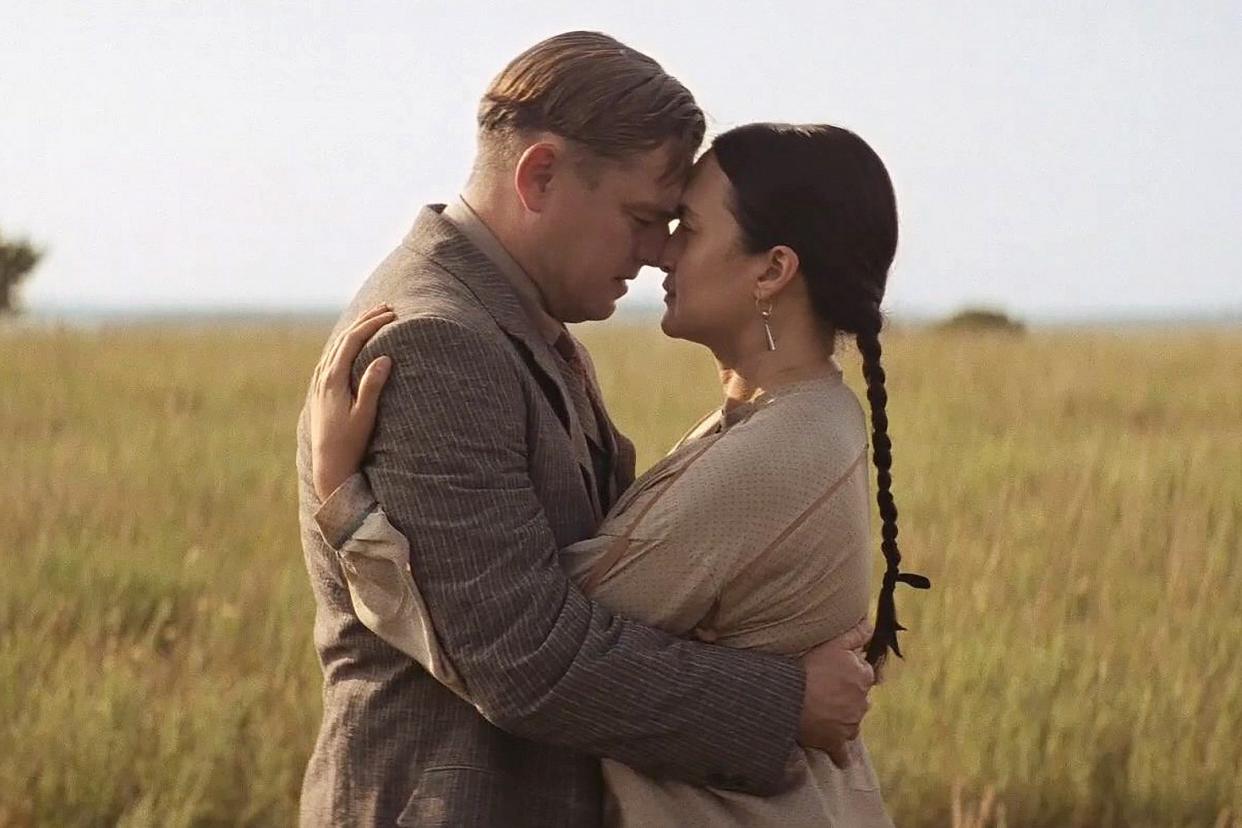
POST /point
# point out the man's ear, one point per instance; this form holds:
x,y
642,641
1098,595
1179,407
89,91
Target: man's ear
x,y
532,179
782,266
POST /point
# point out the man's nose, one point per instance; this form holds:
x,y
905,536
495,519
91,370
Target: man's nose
x,y
652,255
651,252
667,257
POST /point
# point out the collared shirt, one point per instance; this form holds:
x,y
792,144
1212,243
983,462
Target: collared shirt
x,y
466,220
577,373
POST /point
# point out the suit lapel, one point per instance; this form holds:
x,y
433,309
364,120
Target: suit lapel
x,y
435,237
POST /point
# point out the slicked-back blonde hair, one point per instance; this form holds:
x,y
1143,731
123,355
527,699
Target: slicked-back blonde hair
x,y
611,100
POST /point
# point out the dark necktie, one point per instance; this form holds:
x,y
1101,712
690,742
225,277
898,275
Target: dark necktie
x,y
578,383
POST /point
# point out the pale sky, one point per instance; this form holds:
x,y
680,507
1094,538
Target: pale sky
x,y
270,154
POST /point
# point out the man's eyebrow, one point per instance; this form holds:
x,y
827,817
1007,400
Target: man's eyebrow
x,y
658,211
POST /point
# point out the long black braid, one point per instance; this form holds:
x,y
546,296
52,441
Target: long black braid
x,y
823,191
886,624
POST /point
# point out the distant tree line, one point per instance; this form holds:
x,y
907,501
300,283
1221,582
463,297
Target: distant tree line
x,y
18,257
982,319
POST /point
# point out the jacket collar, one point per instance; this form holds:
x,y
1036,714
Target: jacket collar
x,y
437,238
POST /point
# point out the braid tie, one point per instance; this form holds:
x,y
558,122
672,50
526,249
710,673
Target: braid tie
x,y
886,623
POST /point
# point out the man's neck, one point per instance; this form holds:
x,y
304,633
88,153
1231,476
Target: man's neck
x,y
486,213
491,210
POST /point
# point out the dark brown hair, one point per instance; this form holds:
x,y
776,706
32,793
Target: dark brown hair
x,y
822,191
591,89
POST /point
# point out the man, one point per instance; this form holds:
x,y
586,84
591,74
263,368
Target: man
x,y
492,450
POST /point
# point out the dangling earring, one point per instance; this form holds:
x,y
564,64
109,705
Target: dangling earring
x,y
766,313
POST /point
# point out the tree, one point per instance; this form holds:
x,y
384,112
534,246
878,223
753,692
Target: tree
x,y
17,258
982,319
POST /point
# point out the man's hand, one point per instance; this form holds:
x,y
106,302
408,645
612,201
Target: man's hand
x,y
838,679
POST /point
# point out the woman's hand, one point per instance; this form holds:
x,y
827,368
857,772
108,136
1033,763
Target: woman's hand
x,y
340,425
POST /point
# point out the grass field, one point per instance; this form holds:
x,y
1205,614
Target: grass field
x,y
1076,499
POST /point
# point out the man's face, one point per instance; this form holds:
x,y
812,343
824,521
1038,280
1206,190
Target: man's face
x,y
598,230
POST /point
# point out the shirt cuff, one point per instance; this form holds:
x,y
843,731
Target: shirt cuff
x,y
340,515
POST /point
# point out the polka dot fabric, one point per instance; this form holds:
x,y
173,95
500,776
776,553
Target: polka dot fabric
x,y
754,533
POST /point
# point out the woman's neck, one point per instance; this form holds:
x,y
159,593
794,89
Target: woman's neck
x,y
756,371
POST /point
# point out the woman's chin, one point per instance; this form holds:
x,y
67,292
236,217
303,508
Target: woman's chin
x,y
668,324
672,329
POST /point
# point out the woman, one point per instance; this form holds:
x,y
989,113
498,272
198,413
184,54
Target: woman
x,y
753,530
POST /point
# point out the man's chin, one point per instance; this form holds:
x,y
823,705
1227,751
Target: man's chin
x,y
598,313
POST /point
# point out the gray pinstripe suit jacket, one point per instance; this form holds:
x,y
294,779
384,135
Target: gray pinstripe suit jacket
x,y
474,462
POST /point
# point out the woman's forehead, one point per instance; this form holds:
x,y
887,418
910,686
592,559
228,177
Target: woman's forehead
x,y
706,187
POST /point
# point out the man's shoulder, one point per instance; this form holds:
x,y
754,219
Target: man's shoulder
x,y
417,286
439,320
444,337
435,309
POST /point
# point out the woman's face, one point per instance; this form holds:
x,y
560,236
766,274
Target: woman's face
x,y
710,286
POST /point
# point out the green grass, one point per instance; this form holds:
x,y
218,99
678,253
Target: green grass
x,y
1075,498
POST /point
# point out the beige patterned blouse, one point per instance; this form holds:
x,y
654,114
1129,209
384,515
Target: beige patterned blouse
x,y
752,532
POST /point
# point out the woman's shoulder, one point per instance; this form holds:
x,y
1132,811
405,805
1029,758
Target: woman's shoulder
x,y
814,425
777,455
706,425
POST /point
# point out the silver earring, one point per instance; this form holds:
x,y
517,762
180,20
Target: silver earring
x,y
766,313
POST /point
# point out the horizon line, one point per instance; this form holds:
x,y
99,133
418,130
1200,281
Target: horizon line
x,y
154,310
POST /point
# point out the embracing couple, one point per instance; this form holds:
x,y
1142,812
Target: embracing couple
x,y
514,631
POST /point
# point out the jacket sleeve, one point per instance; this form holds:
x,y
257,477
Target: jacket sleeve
x,y
536,657
375,560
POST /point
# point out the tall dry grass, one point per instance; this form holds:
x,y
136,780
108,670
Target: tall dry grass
x,y
1076,499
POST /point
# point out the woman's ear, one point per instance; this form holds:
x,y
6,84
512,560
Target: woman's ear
x,y
532,179
782,266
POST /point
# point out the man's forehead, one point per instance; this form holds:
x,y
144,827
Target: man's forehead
x,y
646,184
650,194
662,204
